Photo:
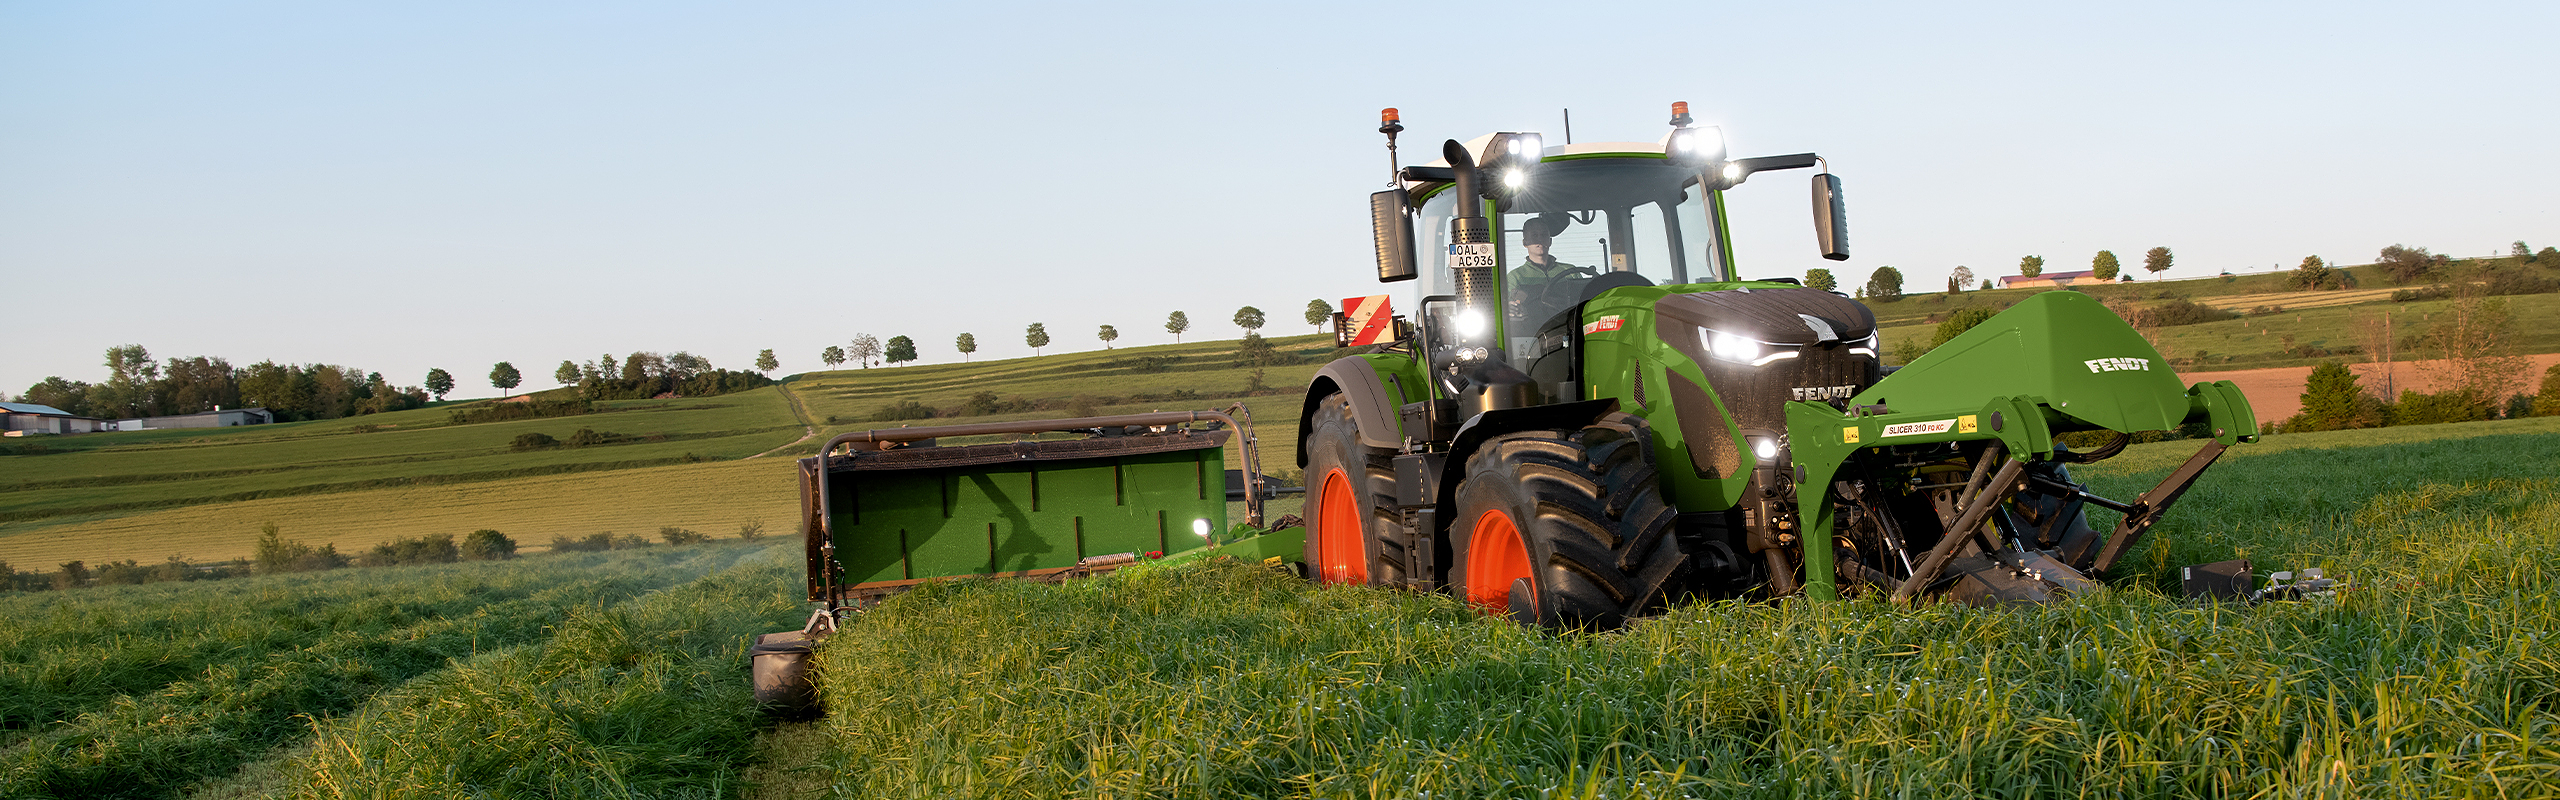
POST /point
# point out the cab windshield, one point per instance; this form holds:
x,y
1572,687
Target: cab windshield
x,y
1581,227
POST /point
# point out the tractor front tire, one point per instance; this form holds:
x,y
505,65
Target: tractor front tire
x,y
1566,529
1352,533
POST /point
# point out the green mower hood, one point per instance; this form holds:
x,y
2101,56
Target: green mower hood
x,y
2061,347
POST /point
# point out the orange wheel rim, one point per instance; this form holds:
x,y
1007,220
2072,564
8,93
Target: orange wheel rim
x,y
1339,556
1495,559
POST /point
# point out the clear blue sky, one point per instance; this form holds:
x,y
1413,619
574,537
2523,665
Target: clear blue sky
x,y
403,186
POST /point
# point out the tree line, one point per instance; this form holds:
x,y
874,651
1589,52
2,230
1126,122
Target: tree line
x,y
867,350
138,385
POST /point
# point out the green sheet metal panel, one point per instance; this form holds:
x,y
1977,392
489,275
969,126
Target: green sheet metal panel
x,y
1046,508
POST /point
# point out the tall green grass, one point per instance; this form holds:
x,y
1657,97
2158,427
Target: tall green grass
x,y
642,699
2431,676
147,691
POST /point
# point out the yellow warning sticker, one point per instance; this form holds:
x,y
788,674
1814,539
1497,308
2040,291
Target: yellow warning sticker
x,y
1965,424
1849,435
1273,561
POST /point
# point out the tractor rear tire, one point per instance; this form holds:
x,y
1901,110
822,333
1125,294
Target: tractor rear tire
x,y
1567,529
1352,533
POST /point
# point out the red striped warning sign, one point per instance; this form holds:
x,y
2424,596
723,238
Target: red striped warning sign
x,y
1370,319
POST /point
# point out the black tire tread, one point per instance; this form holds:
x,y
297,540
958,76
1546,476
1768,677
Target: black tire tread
x,y
1600,539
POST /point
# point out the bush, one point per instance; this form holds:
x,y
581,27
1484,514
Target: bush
x,y
1144,364
437,549
590,437
121,573
751,531
2514,280
1957,323
1255,351
985,403
526,409
2425,293
2331,401
2458,405
681,536
533,441
487,545
2547,402
905,410
71,575
590,543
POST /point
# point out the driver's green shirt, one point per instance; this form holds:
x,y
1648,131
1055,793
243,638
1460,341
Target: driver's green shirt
x,y
1531,273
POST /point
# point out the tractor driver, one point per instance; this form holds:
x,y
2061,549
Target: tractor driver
x,y
1542,285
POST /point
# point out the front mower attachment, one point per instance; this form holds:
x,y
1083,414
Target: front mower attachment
x,y
1998,395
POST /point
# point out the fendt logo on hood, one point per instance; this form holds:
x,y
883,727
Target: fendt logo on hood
x,y
1821,394
2118,364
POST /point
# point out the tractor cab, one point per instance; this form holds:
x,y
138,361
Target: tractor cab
x,y
1594,217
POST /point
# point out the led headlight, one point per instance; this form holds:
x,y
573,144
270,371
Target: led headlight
x,y
1696,145
1471,323
1866,347
1728,347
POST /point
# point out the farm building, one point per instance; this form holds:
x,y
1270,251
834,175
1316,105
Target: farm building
x,y
25,419
2050,279
217,418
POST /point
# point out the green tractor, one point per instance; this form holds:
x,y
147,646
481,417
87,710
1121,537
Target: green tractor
x,y
1591,415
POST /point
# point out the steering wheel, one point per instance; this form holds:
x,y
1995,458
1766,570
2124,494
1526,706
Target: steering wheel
x,y
1544,298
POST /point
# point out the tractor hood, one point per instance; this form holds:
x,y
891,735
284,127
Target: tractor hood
x,y
1788,317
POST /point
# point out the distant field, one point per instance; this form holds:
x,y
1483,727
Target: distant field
x,y
204,494
2330,320
109,473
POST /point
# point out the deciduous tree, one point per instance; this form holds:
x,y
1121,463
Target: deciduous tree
x,y
2403,264
901,350
505,377
833,356
1960,279
567,374
967,343
2313,274
439,382
1249,318
1821,278
765,362
1884,285
2030,266
2105,267
2156,261
865,350
1176,324
1319,312
1108,335
1037,336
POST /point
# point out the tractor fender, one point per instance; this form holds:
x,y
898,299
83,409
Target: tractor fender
x,y
1373,406
1487,425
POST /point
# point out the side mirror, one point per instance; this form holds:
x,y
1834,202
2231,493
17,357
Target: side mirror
x,y
1392,225
1830,217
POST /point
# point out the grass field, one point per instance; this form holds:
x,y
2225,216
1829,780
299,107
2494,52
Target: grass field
x,y
163,690
623,674
2430,677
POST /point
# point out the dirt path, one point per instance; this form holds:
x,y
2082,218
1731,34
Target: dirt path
x,y
808,430
2276,393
